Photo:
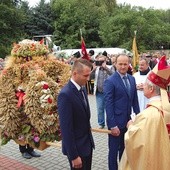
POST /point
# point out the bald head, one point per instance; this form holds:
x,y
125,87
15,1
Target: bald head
x,y
122,63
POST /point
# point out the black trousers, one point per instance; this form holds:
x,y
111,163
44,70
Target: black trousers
x,y
87,162
25,148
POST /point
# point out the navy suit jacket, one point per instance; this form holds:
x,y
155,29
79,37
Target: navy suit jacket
x,y
118,103
74,118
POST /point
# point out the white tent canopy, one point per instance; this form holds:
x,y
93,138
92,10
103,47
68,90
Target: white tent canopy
x,y
69,52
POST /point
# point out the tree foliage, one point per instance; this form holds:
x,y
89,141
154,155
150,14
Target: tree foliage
x,y
11,21
73,15
152,31
39,20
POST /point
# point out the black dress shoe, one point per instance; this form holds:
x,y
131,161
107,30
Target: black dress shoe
x,y
26,155
34,154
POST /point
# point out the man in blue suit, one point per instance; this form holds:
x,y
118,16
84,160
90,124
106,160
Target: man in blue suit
x,y
74,115
121,100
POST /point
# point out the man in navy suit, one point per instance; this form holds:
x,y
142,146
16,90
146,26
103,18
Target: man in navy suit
x,y
74,115
121,100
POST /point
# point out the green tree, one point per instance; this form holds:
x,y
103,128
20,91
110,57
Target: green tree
x,y
118,29
38,19
11,21
73,15
103,23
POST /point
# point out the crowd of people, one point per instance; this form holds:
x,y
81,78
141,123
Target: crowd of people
x,y
133,104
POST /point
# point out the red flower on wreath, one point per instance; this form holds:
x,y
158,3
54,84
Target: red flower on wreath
x,y
45,86
50,113
6,134
50,100
58,80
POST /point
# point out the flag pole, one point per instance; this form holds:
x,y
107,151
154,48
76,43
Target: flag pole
x,y
81,32
135,32
85,55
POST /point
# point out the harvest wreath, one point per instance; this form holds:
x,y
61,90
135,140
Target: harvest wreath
x,y
29,86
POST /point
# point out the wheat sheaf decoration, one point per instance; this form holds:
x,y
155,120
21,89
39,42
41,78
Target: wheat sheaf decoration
x,y
29,86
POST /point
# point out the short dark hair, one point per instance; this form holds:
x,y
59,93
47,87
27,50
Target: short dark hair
x,y
77,54
91,52
104,53
80,63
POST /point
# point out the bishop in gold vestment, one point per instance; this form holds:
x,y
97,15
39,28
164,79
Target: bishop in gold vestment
x,y
147,143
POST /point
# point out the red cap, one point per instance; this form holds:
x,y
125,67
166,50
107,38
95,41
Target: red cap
x,y
160,75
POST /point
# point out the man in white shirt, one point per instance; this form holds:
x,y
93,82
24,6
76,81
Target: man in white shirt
x,y
140,78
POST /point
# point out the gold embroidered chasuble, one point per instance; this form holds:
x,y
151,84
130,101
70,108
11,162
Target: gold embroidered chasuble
x,y
147,144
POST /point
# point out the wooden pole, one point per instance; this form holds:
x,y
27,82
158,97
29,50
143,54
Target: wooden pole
x,y
81,34
55,144
58,144
101,130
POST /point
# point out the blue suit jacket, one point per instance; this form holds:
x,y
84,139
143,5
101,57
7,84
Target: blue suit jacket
x,y
118,102
74,118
